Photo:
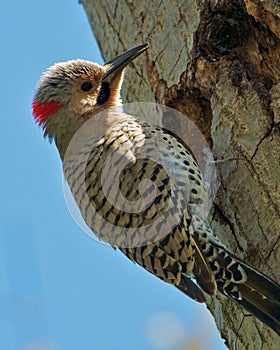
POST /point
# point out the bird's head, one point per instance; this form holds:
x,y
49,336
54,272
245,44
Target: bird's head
x,y
71,92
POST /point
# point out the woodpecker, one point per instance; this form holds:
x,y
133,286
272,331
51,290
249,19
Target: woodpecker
x,y
121,159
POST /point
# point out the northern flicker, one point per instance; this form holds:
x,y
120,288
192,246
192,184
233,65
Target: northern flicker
x,y
168,234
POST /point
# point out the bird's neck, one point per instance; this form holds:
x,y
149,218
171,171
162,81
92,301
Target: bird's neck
x,y
63,126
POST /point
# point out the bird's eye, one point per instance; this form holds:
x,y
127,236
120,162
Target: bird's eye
x,y
87,86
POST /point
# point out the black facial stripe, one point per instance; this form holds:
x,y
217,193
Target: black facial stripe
x,y
104,93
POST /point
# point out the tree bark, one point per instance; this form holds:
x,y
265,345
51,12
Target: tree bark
x,y
218,63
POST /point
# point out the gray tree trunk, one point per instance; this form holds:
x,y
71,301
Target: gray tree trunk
x,y
217,62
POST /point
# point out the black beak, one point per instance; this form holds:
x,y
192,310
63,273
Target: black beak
x,y
118,63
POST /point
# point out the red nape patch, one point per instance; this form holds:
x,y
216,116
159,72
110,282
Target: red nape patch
x,y
43,111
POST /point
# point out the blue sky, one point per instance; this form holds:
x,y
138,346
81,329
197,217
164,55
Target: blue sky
x,y
60,290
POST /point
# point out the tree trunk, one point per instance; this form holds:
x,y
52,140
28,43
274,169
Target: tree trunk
x,y
218,63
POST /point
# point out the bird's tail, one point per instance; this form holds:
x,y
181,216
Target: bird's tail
x,y
258,294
